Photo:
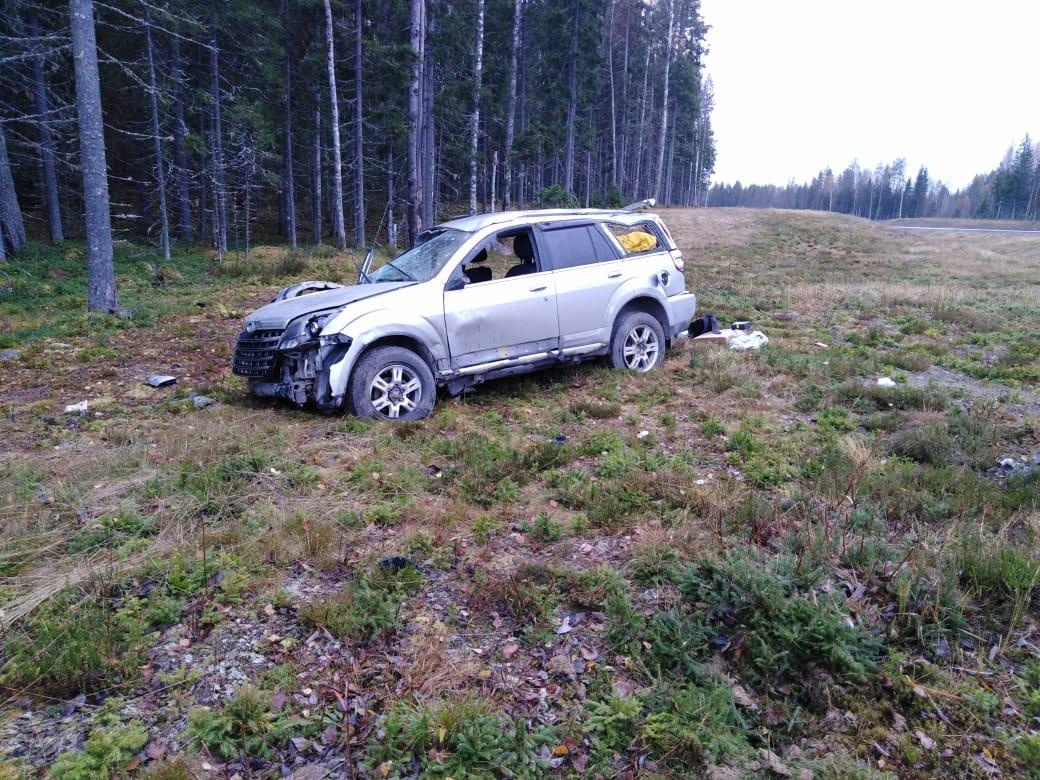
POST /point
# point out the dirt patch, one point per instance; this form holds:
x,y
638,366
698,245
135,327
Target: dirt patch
x,y
1019,402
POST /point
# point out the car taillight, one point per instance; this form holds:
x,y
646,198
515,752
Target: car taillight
x,y
677,259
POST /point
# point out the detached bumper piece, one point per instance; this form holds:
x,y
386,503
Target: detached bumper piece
x,y
255,353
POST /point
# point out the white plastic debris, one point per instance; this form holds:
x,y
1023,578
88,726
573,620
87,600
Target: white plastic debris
x,y
161,380
884,381
80,408
756,339
642,434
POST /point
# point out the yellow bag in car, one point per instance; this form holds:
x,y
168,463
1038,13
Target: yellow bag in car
x,y
637,241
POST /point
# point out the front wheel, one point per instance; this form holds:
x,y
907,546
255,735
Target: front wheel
x,y
637,343
392,383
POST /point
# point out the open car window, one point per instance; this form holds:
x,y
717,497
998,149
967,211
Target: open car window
x,y
501,256
637,239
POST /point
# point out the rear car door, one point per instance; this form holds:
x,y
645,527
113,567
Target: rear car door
x,y
502,319
588,269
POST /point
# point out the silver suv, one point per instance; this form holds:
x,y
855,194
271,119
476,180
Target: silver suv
x,y
475,299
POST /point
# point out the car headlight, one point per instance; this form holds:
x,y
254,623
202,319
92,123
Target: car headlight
x,y
304,330
314,326
250,326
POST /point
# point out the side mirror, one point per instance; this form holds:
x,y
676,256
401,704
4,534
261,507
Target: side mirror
x,y
455,283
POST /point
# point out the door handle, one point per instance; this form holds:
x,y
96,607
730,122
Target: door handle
x,y
614,275
539,289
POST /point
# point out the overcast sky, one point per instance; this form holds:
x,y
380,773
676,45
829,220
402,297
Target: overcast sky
x,y
803,84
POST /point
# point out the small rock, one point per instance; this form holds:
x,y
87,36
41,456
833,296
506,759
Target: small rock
x,y
926,742
560,665
161,380
155,749
743,699
10,354
80,408
72,705
775,764
884,381
202,401
642,434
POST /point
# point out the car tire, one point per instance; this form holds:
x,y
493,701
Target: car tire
x,y
392,383
638,342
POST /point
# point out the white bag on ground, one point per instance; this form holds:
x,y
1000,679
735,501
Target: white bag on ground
x,y
756,339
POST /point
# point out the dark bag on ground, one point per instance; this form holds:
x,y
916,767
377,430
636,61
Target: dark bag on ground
x,y
709,323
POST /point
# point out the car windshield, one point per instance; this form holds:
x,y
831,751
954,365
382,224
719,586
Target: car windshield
x,y
422,262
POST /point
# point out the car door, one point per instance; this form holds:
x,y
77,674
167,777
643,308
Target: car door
x,y
504,319
588,270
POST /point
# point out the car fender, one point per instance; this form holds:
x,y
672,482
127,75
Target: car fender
x,y
375,326
640,286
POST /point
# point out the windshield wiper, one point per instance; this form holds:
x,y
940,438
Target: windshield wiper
x,y
400,271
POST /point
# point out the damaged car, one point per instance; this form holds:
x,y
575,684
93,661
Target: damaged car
x,y
476,298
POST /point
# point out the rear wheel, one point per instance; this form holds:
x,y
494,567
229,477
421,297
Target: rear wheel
x,y
392,383
637,343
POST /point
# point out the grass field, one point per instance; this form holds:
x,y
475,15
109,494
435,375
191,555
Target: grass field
x,y
753,564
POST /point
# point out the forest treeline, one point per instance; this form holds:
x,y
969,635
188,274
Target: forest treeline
x,y
1010,191
340,121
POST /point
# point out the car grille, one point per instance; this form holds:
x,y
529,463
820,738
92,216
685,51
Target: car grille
x,y
255,353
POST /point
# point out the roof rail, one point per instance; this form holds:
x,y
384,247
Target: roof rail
x,y
640,204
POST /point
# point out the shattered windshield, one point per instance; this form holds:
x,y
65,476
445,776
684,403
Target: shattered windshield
x,y
422,262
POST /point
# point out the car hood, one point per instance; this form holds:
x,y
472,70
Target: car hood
x,y
280,313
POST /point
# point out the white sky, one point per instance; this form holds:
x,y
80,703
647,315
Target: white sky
x,y
803,84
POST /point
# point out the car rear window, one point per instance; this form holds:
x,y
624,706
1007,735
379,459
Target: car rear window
x,y
577,245
636,239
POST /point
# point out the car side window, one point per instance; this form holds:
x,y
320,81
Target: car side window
x,y
577,245
504,255
636,239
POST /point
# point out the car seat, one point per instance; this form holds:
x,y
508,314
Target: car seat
x,y
522,248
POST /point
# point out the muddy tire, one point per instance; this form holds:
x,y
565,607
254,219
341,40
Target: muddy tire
x,y
638,342
392,383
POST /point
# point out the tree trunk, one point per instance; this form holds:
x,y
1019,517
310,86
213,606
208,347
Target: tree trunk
x,y
220,218
625,107
11,224
288,179
160,168
181,196
641,128
572,107
613,101
316,221
494,180
474,119
514,47
359,135
417,41
428,144
662,136
669,167
391,223
47,167
101,274
338,229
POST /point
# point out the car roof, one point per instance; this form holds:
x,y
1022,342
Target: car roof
x,y
537,216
